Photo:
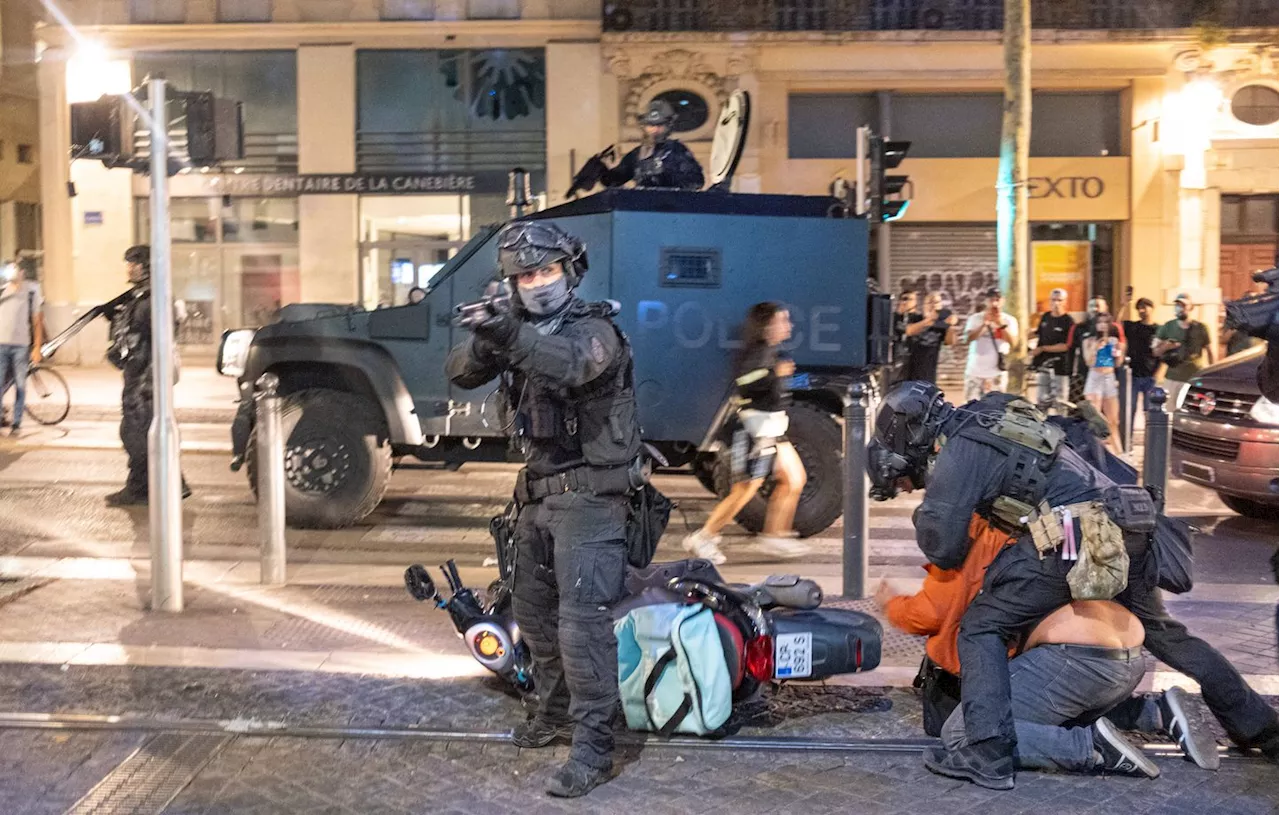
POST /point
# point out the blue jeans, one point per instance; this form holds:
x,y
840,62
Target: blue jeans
x,y
1055,688
1141,385
15,360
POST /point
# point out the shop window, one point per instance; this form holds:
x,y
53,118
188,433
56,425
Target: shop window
x,y
244,11
192,220
157,11
1075,124
1251,216
493,9
825,125
953,125
265,82
1256,105
451,111
407,10
260,220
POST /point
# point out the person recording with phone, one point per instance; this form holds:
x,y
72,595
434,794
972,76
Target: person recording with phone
x,y
1103,352
990,333
925,338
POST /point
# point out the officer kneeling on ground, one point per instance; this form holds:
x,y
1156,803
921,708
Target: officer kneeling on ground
x,y
566,372
1080,537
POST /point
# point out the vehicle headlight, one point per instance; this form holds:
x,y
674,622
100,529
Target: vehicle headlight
x,y
1181,395
233,351
1265,411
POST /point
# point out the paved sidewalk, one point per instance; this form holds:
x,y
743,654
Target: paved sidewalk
x,y
280,774
201,395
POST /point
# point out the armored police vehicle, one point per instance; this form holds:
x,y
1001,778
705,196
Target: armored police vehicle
x,y
365,388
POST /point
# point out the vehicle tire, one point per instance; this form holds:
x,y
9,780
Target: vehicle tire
x,y
704,469
337,458
818,439
1248,507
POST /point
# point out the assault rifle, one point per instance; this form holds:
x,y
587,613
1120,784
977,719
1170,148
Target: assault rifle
x,y
591,172
106,309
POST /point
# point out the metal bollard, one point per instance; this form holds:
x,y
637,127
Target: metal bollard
x,y
1155,458
1128,410
270,473
855,492
1045,396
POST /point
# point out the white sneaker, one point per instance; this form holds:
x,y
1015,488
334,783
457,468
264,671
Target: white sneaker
x,y
782,547
707,547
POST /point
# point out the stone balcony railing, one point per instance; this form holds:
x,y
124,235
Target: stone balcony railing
x,y
942,15
197,12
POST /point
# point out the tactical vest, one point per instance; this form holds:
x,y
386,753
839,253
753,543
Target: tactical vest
x,y
1030,447
597,420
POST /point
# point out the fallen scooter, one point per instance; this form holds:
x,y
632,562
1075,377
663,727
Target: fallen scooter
x,y
774,631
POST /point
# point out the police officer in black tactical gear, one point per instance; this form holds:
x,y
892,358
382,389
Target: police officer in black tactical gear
x,y
660,161
566,373
130,351
999,458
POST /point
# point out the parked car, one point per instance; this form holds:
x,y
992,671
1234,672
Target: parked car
x,y
1226,435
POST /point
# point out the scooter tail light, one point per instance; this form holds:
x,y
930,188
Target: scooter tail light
x,y
760,658
857,655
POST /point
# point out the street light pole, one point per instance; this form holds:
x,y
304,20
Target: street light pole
x,y
164,473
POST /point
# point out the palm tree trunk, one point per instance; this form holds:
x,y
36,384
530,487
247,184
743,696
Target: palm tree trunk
x,y
1011,191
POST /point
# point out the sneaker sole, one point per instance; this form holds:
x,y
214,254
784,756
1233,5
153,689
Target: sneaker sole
x,y
987,782
1198,745
1145,765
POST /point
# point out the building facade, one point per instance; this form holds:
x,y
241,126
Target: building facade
x,y
378,135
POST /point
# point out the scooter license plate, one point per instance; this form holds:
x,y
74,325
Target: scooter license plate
x,y
793,655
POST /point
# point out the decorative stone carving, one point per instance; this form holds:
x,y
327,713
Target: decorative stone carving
x,y
673,69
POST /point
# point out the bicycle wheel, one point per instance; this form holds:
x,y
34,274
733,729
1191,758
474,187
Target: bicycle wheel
x,y
48,398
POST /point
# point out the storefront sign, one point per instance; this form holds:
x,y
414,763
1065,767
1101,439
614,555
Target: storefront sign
x,y
1066,187
1061,265
92,218
278,184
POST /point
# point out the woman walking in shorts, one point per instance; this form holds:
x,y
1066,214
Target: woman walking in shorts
x,y
762,383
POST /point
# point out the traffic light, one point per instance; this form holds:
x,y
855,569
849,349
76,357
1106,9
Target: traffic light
x,y
878,196
215,129
102,129
886,203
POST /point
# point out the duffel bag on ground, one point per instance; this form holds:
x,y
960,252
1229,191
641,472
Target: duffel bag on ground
x,y
672,674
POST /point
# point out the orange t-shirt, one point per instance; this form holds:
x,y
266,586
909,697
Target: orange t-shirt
x,y
935,611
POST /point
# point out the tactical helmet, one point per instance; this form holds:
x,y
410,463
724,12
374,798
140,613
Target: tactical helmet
x,y
660,114
527,245
138,254
909,421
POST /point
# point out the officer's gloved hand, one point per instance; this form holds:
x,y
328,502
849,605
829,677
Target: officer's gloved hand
x,y
500,330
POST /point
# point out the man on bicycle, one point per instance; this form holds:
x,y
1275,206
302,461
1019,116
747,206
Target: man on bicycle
x,y
21,335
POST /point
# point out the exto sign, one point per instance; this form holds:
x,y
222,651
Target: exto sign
x,y
1073,186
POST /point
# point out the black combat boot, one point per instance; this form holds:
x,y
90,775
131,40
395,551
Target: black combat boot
x,y
539,732
988,763
576,779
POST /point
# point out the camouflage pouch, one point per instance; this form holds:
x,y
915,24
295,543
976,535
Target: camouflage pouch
x,y
1008,513
1102,571
1046,530
1096,421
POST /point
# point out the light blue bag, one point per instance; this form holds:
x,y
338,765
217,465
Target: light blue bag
x,y
672,675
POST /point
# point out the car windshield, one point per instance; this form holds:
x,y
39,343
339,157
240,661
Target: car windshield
x,y
468,249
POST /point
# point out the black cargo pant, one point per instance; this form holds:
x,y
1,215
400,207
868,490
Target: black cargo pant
x,y
1020,589
571,563
136,410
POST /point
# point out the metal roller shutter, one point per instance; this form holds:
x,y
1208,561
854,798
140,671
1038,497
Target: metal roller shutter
x,y
959,262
